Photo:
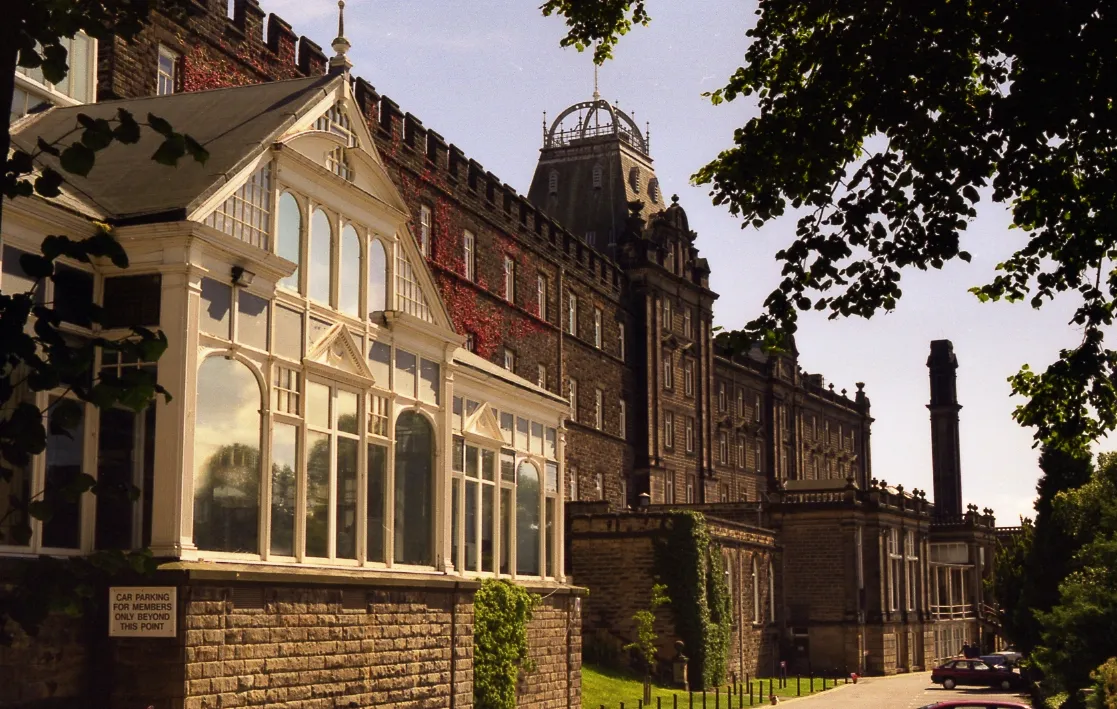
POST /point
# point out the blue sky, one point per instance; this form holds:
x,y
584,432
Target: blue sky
x,y
482,73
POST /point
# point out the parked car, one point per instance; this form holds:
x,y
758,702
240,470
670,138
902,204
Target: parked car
x,y
996,660
974,672
974,704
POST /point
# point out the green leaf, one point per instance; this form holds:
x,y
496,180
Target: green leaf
x,y
77,159
48,183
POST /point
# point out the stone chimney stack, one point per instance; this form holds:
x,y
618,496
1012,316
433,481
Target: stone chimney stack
x,y
946,459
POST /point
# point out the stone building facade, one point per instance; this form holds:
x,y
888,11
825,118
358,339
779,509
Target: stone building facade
x,y
590,290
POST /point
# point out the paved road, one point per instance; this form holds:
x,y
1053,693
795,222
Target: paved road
x,y
907,691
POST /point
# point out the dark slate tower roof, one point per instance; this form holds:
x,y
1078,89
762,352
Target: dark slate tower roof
x,y
595,161
946,459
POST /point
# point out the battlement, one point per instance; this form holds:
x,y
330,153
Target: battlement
x,y
247,25
426,152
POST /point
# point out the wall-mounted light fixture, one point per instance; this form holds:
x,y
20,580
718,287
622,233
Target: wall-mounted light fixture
x,y
242,277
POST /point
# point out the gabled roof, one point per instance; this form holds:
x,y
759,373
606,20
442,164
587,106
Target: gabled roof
x,y
125,184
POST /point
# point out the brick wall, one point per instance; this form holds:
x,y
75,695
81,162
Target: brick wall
x,y
48,670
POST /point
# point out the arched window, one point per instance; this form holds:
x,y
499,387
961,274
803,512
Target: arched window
x,y
414,490
318,275
227,458
527,520
349,272
377,277
289,243
755,593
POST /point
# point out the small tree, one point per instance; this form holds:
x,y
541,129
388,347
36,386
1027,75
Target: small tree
x,y
645,645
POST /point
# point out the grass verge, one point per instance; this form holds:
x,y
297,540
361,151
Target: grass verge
x,y
606,687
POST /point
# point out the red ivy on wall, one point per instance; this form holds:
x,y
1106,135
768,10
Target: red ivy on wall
x,y
473,306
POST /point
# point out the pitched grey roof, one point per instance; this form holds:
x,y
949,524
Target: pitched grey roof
x,y
125,184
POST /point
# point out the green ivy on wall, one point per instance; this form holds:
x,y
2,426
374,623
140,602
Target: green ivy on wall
x,y
501,612
691,566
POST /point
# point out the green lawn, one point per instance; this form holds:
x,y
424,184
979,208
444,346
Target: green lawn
x,y
607,687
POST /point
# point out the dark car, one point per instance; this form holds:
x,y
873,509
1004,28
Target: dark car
x,y
974,672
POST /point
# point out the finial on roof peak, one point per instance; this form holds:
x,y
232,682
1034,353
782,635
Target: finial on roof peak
x,y
674,199
339,63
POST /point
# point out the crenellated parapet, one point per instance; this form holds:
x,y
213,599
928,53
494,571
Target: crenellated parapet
x,y
405,141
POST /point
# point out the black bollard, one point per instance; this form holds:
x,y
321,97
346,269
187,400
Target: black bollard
x,y
692,699
812,683
717,697
659,703
798,686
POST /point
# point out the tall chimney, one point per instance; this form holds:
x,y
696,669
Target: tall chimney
x,y
946,460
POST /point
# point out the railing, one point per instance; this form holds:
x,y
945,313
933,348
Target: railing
x,y
957,611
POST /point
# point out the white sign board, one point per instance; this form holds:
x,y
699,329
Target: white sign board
x,y
142,612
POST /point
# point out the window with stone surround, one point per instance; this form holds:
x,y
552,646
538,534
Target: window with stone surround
x,y
723,399
167,71
541,376
425,228
669,429
771,593
689,435
688,377
509,279
598,409
509,359
572,389
598,318
668,369
755,593
894,568
668,314
469,257
622,418
741,452
571,314
741,402
541,293
688,328
620,341
690,483
723,448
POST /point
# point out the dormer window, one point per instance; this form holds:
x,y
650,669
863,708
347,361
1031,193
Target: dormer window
x,y
597,177
634,179
336,121
338,163
552,182
168,69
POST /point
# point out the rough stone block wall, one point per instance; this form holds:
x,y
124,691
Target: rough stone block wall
x,y
816,577
306,646
554,636
45,670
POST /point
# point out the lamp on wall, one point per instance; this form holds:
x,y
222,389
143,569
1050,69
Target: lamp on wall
x,y
242,276
643,501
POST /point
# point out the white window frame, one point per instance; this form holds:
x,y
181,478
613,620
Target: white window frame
x,y
668,314
509,279
425,229
669,429
622,418
598,409
688,377
571,314
689,434
541,295
688,326
668,370
469,248
572,389
509,359
620,341
598,327
541,378
166,83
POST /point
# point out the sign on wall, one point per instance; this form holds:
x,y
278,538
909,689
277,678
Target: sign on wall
x,y
142,611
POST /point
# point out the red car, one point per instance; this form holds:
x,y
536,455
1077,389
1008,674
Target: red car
x,y
974,672
975,704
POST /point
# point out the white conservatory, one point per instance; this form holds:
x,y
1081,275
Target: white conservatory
x,y
324,413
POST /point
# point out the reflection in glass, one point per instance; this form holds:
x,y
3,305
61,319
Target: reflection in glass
x,y
64,464
457,455
428,381
470,526
471,461
73,293
289,243
527,521
537,438
505,529
125,444
346,411
349,272
213,316
318,404
405,373
380,363
552,476
414,486
487,492
377,492
288,338
252,320
522,434
377,277
318,274
317,494
346,519
284,484
508,466
551,449
506,423
488,465
227,457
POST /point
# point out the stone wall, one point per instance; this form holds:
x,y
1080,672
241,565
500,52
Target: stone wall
x,y
614,557
292,645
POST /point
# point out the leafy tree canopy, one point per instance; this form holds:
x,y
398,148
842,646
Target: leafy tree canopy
x,y
887,122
